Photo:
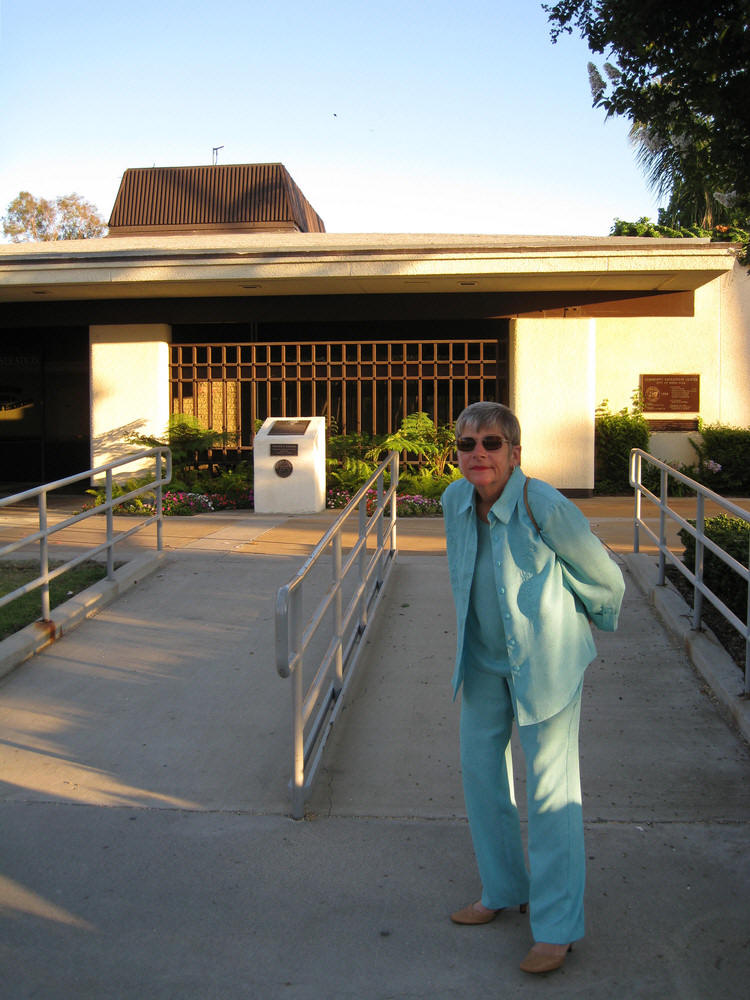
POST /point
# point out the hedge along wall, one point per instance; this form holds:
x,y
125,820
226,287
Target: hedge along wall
x,y
731,534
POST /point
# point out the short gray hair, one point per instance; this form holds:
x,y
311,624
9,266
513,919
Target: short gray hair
x,y
481,415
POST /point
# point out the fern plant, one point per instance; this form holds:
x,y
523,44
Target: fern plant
x,y
418,436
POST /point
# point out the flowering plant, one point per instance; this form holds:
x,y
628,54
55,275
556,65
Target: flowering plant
x,y
185,503
407,505
418,506
338,499
181,503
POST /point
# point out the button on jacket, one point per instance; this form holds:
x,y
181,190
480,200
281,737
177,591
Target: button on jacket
x,y
548,588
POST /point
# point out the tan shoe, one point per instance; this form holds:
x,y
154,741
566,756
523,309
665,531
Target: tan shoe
x,y
540,961
471,915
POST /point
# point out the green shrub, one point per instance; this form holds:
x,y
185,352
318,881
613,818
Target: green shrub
x,y
189,443
347,467
425,483
645,227
352,458
348,473
615,435
732,534
430,446
724,459
415,436
138,505
651,479
342,446
233,483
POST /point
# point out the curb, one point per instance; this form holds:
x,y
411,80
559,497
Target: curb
x,y
708,656
18,648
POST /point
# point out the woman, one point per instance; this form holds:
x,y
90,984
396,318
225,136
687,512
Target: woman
x,y
528,577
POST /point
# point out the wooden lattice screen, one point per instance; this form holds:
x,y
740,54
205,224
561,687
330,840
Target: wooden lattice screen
x,y
358,386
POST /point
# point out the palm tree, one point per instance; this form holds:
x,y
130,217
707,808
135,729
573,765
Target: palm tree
x,y
681,169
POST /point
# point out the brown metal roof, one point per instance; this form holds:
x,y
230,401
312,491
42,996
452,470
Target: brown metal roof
x,y
231,198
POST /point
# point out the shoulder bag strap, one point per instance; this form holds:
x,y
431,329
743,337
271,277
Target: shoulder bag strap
x,y
528,507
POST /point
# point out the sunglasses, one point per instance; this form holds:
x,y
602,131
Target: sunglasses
x,y
492,443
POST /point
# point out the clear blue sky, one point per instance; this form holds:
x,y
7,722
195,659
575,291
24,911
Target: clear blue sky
x,y
392,116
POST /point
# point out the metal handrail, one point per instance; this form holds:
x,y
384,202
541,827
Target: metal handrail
x,y
162,476
702,543
314,711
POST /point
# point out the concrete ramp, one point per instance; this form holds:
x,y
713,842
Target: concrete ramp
x,y
394,750
168,698
146,848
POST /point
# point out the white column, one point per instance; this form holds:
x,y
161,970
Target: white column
x,y
129,386
552,390
734,405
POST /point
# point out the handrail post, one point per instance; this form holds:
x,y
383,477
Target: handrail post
x,y
110,527
701,592
363,564
159,500
44,555
45,530
298,723
395,467
635,459
380,526
664,498
341,618
298,762
338,614
699,559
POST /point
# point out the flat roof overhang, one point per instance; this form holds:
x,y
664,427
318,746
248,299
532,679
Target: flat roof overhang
x,y
522,274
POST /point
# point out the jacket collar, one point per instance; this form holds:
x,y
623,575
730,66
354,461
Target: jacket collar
x,y
505,504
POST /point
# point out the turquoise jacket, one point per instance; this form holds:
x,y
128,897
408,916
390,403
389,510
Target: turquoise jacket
x,y
549,588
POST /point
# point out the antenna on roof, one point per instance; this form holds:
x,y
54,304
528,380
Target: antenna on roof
x,y
216,155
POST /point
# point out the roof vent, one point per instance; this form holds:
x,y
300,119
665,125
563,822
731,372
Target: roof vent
x,y
240,198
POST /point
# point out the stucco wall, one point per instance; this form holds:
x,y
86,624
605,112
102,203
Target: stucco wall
x,y
735,347
129,386
714,343
552,382
629,348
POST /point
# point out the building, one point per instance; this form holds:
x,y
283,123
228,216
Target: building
x,y
219,293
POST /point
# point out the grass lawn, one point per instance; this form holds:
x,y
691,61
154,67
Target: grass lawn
x,y
27,609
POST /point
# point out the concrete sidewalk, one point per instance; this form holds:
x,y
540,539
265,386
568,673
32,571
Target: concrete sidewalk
x,y
146,849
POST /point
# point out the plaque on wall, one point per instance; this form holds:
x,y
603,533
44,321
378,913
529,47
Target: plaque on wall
x,y
670,393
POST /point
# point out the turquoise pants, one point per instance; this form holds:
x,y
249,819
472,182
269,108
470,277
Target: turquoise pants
x,y
557,861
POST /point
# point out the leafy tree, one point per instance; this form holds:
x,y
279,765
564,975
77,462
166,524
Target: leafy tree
x,y
679,69
69,217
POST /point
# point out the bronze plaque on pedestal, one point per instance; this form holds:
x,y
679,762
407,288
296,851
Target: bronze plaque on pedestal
x,y
283,468
293,427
